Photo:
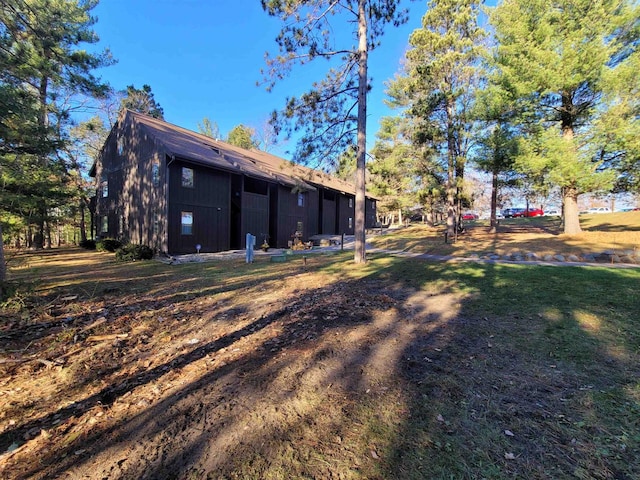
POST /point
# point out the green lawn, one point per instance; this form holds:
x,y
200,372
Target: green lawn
x,y
400,368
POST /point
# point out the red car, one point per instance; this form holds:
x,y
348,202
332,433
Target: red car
x,y
533,212
469,216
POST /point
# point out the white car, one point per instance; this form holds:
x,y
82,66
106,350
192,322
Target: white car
x,y
552,213
599,210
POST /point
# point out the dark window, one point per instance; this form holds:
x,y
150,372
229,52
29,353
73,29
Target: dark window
x,y
105,224
187,177
104,185
301,199
253,185
155,174
120,143
351,203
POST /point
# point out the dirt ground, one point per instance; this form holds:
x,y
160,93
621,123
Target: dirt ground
x,y
222,381
313,371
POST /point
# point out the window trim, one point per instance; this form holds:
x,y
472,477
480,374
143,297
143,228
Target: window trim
x,y
190,184
186,226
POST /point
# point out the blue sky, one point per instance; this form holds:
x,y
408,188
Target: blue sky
x,y
202,58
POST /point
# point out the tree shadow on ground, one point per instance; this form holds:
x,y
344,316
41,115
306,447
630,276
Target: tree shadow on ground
x,y
400,372
545,386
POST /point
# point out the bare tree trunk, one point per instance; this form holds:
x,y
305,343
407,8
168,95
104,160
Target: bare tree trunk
x,y
569,194
493,222
3,266
47,239
451,178
571,213
83,227
360,255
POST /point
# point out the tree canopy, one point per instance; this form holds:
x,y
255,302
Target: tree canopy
x,y
44,67
558,58
331,116
243,136
141,100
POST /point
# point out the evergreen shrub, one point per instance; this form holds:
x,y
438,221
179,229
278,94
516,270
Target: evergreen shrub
x,y
132,252
108,245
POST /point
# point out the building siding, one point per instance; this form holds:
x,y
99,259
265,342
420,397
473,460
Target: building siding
x,y
228,200
209,202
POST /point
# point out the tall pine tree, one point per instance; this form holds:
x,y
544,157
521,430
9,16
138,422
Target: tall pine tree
x,y
442,71
43,62
556,56
333,114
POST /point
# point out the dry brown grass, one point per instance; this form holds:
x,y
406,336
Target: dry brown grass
x,y
617,232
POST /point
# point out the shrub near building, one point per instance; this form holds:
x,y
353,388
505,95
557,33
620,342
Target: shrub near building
x,y
132,252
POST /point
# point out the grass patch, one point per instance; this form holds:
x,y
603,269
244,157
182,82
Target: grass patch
x,y
399,368
617,232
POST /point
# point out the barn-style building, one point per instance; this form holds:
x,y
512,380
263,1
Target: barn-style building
x,y
173,189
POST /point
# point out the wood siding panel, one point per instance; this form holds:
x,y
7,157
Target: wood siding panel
x,y
255,216
208,200
289,215
328,217
313,213
344,213
370,213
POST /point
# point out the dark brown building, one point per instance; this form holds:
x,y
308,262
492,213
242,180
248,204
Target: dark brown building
x,y
173,189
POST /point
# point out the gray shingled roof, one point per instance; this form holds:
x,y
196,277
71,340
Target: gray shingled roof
x,y
191,146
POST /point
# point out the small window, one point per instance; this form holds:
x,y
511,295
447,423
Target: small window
x,y
104,228
155,174
351,203
350,222
186,223
121,224
301,199
187,177
104,186
120,145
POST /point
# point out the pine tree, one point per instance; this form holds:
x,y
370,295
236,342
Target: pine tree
x,y
242,136
441,74
42,64
326,114
142,101
556,55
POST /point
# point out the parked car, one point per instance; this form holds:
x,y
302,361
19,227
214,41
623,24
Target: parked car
x,y
469,216
533,212
513,212
552,213
599,210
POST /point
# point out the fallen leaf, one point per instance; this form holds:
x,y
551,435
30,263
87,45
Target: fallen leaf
x,y
509,456
440,418
374,454
508,433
